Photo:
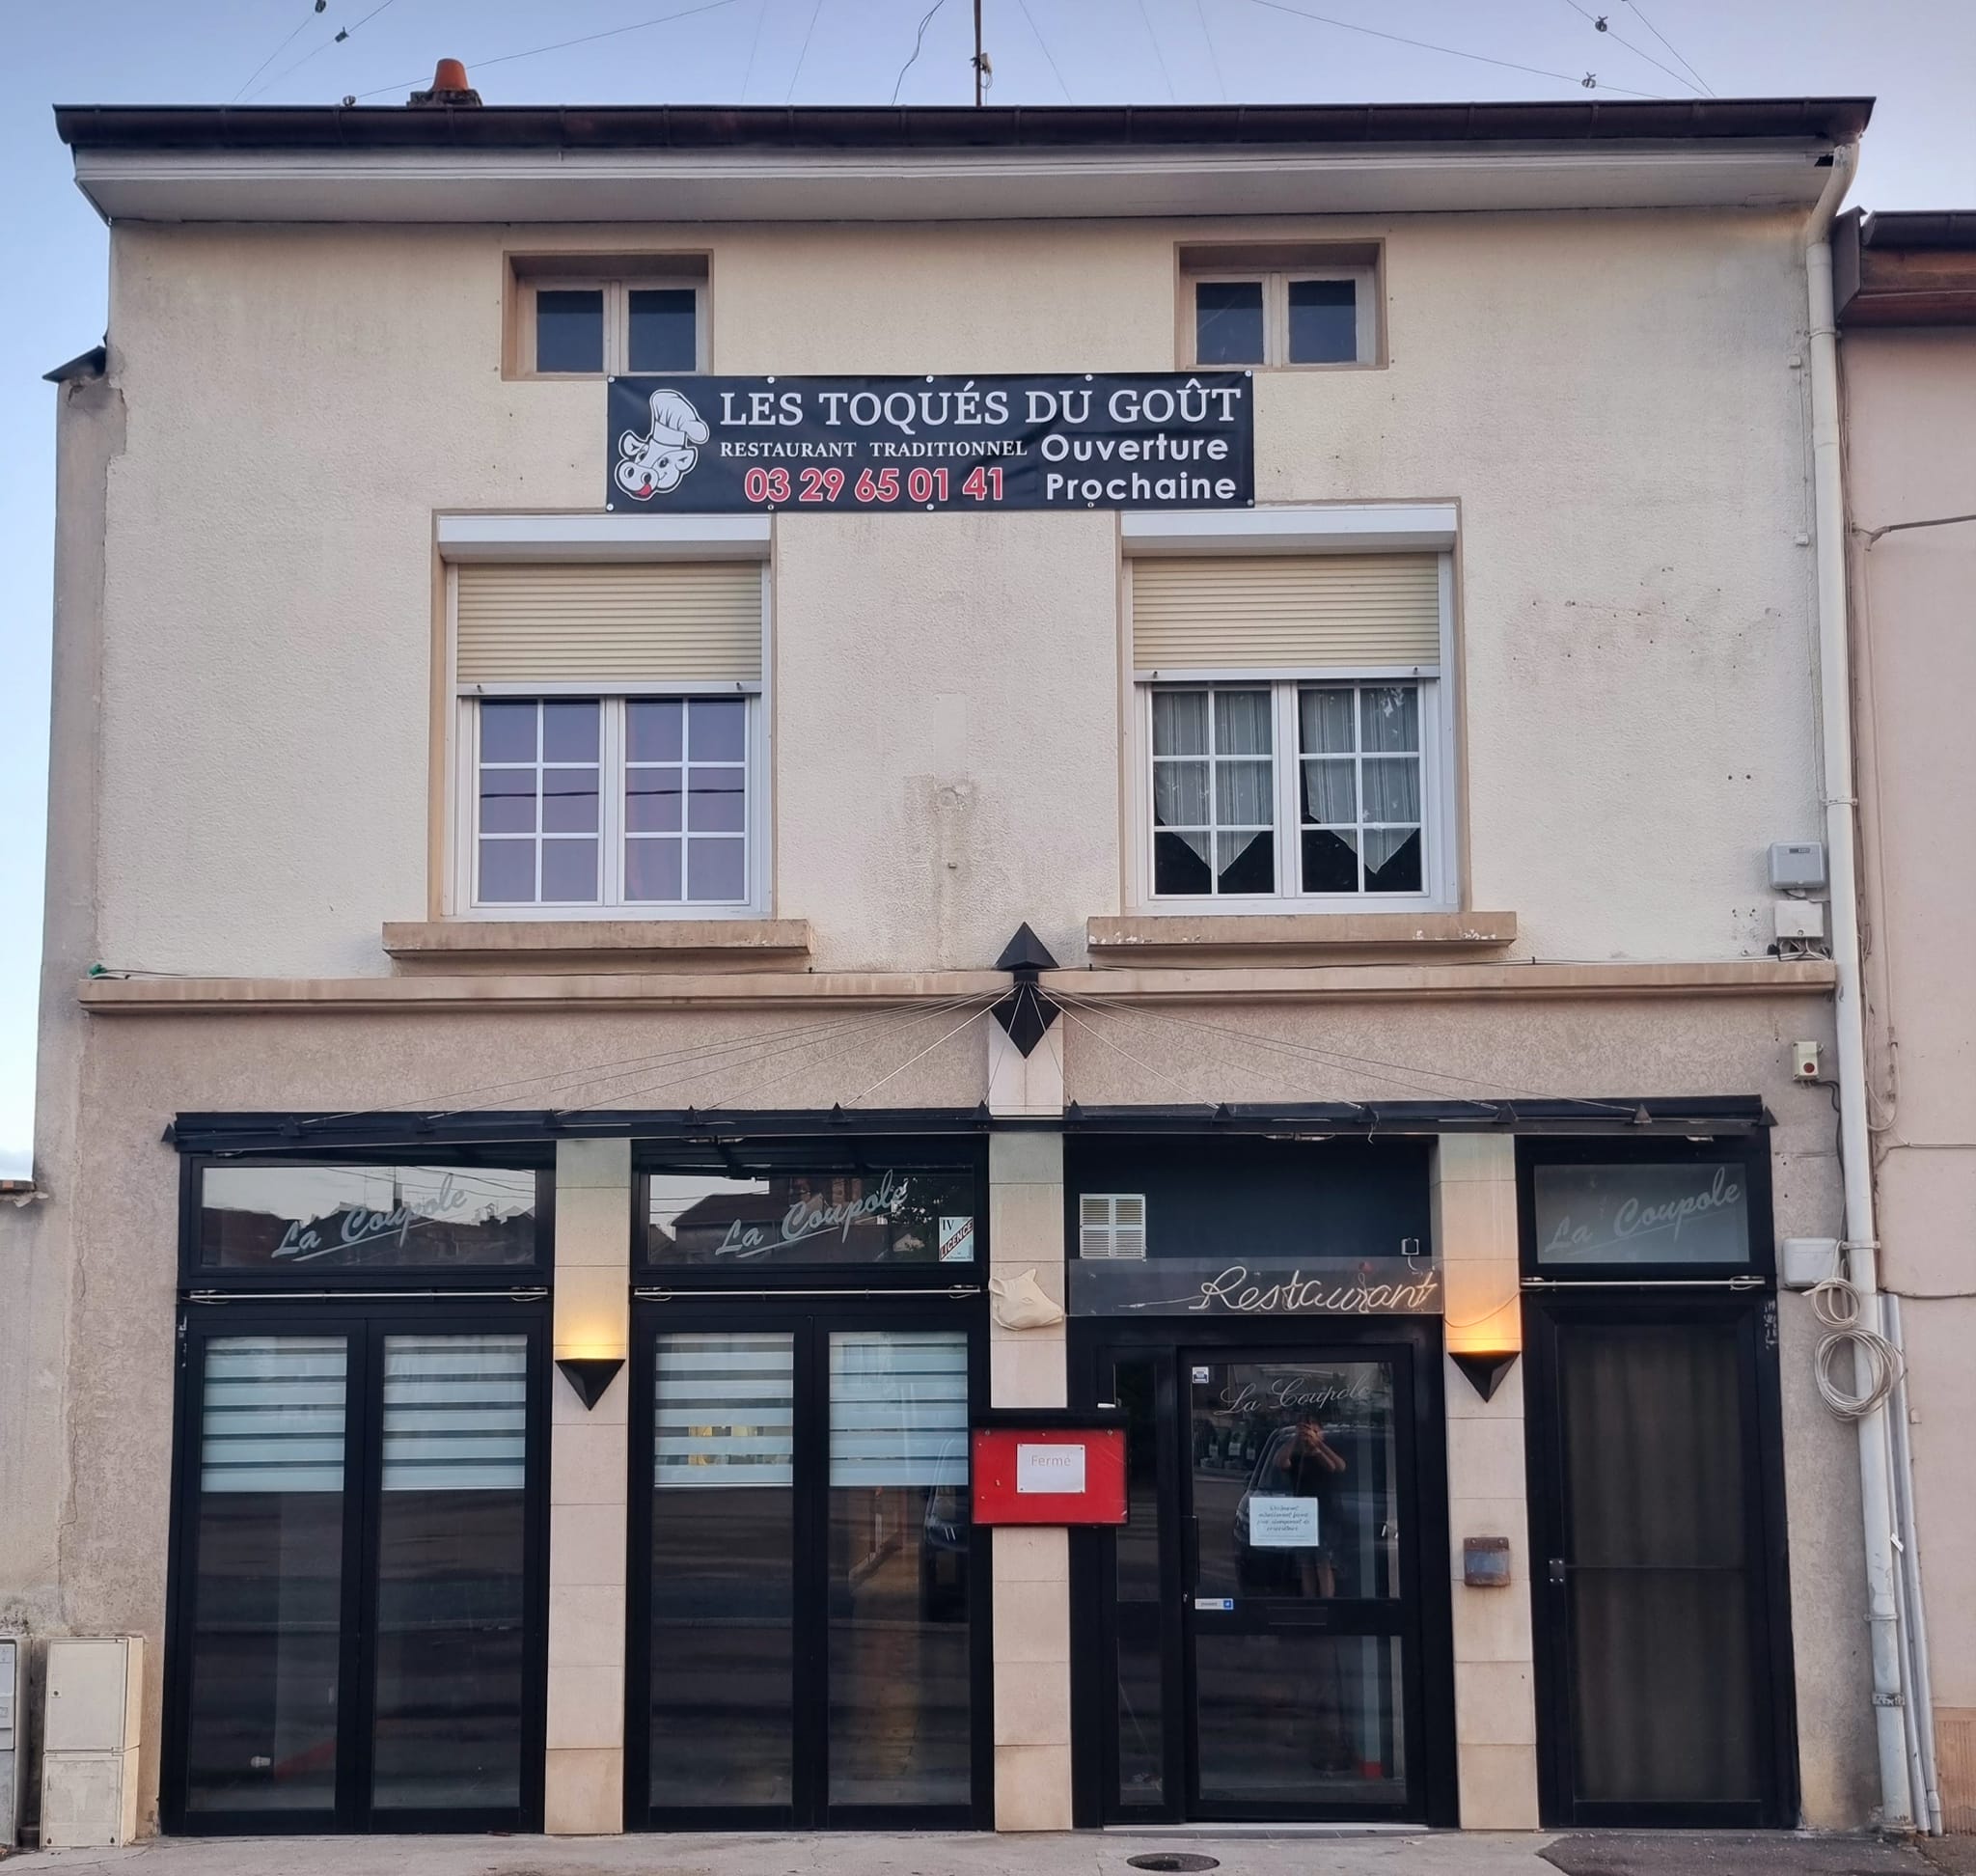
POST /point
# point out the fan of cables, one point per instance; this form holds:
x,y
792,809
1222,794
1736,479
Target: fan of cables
x,y
1877,1366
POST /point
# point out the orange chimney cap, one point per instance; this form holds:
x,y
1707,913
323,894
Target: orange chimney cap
x,y
450,76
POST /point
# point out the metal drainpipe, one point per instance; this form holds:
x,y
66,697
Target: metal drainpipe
x,y
1835,700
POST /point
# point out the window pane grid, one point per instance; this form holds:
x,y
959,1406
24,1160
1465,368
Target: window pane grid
x,y
539,833
1213,806
1360,806
672,828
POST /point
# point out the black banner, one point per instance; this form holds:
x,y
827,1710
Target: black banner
x,y
752,445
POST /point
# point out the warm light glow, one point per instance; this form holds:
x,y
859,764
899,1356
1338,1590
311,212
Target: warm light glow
x,y
1478,1329
597,1345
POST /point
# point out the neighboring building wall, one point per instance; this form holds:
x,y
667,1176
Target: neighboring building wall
x,y
1910,412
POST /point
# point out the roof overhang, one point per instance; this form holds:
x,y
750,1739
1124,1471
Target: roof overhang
x,y
519,164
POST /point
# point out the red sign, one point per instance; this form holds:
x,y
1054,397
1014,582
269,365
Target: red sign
x,y
1049,1475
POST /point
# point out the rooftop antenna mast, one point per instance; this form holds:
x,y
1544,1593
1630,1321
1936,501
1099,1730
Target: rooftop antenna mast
x,y
984,71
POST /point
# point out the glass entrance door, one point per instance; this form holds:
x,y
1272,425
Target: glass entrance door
x,y
1264,1605
1295,1616
812,1615
356,1637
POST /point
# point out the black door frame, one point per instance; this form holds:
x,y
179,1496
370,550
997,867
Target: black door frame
x,y
364,1323
809,1318
1414,1343
1754,1315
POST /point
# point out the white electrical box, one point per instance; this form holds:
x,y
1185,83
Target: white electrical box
x,y
92,1718
1798,918
12,1673
1798,866
1804,1262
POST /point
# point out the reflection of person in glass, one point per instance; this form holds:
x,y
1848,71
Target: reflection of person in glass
x,y
1311,1463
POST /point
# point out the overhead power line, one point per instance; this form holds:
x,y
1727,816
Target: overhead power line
x,y
1598,25
1672,47
536,51
1589,81
1214,57
918,40
300,25
1166,76
1036,33
336,39
808,32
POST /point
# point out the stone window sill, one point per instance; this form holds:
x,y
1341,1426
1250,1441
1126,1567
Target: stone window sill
x,y
1294,937
594,944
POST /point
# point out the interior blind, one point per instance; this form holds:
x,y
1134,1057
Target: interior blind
x,y
1304,611
648,621
723,1412
272,1417
455,1413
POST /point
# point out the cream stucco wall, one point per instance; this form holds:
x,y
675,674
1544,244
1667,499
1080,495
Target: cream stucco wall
x,y
1911,412
1610,399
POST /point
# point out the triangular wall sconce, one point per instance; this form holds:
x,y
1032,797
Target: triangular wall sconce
x,y
1486,1372
589,1374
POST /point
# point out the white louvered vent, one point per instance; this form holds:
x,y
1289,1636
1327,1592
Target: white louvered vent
x,y
1111,1225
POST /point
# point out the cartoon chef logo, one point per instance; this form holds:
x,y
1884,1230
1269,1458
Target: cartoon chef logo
x,y
656,463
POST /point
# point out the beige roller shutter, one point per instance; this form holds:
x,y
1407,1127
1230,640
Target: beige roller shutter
x,y
646,622
1289,612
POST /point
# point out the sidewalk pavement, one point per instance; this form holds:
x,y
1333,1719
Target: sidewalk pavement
x,y
1341,1853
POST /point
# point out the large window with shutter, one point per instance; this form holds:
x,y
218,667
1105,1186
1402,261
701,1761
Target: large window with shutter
x,y
609,739
1290,734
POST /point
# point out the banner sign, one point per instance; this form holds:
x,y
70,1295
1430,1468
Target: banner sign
x,y
1094,440
1214,1286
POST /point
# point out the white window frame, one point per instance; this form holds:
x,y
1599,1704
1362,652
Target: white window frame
x,y
1441,868
463,767
1275,316
617,292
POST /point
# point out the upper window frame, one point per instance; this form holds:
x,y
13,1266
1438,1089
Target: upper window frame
x,y
1277,265
455,805
202,1278
617,277
1441,872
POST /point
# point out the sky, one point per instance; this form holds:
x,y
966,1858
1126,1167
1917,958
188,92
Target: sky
x,y
1915,56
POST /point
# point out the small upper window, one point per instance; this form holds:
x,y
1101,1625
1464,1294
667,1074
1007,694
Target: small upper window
x,y
644,315
1279,306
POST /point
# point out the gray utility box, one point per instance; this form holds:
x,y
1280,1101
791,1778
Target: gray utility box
x,y
13,1676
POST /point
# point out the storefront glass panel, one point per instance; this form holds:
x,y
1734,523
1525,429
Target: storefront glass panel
x,y
266,1601
723,1635
900,1675
452,1574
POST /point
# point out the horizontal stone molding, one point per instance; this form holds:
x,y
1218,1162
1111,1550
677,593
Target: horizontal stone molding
x,y
1290,937
491,993
602,943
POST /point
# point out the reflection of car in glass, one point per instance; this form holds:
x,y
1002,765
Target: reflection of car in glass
x,y
1269,1569
943,1546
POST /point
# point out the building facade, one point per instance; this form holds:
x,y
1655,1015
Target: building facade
x,y
1907,300
734,793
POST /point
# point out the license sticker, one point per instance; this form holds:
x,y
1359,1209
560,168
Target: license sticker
x,y
1202,1376
956,1240
1217,1605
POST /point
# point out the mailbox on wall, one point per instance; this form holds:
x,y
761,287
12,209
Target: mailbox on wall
x,y
1049,1472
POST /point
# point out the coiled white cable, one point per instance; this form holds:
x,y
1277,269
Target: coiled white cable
x,y
1838,1305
